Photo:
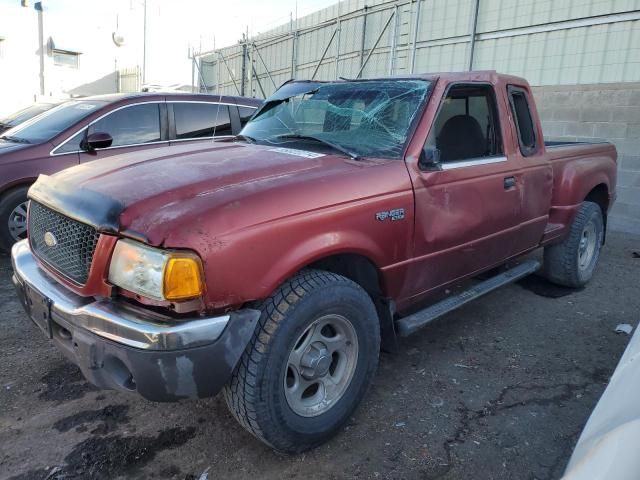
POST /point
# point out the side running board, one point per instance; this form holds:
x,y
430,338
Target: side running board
x,y
411,323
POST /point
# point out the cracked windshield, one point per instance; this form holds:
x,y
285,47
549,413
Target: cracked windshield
x,y
359,118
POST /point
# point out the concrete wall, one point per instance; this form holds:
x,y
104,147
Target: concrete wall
x,y
601,112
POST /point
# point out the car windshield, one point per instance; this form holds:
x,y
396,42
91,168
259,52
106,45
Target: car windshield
x,y
360,118
16,118
52,122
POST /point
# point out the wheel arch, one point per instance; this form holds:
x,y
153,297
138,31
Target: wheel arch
x,y
23,182
354,266
362,270
600,196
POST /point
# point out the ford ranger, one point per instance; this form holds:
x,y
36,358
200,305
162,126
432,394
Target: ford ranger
x,y
274,266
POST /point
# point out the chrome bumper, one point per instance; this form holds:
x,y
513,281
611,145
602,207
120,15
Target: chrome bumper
x,y
132,349
116,321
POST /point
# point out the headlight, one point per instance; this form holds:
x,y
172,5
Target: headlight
x,y
155,273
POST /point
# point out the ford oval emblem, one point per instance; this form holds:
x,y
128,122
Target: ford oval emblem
x,y
50,239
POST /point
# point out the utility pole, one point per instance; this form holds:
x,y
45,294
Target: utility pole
x,y
39,8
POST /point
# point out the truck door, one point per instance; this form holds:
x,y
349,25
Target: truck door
x,y
467,205
536,173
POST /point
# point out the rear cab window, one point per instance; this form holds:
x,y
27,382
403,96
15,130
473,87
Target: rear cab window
x,y
525,128
200,120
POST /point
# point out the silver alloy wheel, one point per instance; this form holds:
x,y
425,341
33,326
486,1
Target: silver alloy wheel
x,y
588,245
321,365
18,222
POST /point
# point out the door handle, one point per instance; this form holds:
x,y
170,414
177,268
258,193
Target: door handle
x,y
509,182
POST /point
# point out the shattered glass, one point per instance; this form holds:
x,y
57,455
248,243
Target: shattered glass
x,y
370,118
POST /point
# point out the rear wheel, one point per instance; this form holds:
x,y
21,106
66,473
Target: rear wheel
x,y
572,262
309,364
13,217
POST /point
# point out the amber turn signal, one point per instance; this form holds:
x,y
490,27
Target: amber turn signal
x,y
183,278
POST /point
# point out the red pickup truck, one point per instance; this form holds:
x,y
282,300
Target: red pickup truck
x,y
274,266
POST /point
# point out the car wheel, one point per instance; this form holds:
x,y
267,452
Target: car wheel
x,y
13,217
572,262
309,364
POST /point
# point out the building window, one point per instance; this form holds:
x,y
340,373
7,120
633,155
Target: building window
x,y
64,58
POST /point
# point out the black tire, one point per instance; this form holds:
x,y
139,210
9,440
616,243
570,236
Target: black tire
x,y
562,262
256,393
8,202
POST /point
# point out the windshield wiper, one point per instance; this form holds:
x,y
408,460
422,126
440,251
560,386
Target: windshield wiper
x,y
335,146
14,139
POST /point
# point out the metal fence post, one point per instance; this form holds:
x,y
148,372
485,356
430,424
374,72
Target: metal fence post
x,y
364,35
219,73
214,69
294,53
375,45
394,42
193,74
416,25
339,28
252,62
244,65
474,26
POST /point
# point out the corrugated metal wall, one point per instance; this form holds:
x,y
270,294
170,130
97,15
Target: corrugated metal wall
x,y
549,42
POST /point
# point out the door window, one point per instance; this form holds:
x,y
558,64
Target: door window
x,y
467,126
524,122
201,120
137,124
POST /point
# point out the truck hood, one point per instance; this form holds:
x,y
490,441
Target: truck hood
x,y
161,195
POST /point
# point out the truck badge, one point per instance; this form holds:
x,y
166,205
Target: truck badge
x,y
50,239
395,214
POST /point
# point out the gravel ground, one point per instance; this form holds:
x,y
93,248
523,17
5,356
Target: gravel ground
x,y
499,389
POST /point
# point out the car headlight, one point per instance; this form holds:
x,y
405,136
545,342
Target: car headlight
x,y
155,273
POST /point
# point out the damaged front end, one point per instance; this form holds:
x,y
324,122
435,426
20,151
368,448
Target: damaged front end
x,y
67,276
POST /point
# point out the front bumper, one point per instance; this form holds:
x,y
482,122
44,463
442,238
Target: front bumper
x,y
124,347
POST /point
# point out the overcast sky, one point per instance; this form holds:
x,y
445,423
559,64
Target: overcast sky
x,y
173,26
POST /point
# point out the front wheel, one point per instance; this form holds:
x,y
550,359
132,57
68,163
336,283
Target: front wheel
x,y
13,217
309,364
572,262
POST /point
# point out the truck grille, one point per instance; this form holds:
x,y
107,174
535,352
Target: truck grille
x,y
65,244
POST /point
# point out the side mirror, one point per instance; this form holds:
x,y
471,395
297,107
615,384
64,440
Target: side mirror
x,y
97,140
429,158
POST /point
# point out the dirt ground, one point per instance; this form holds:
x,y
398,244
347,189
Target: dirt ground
x,y
497,390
